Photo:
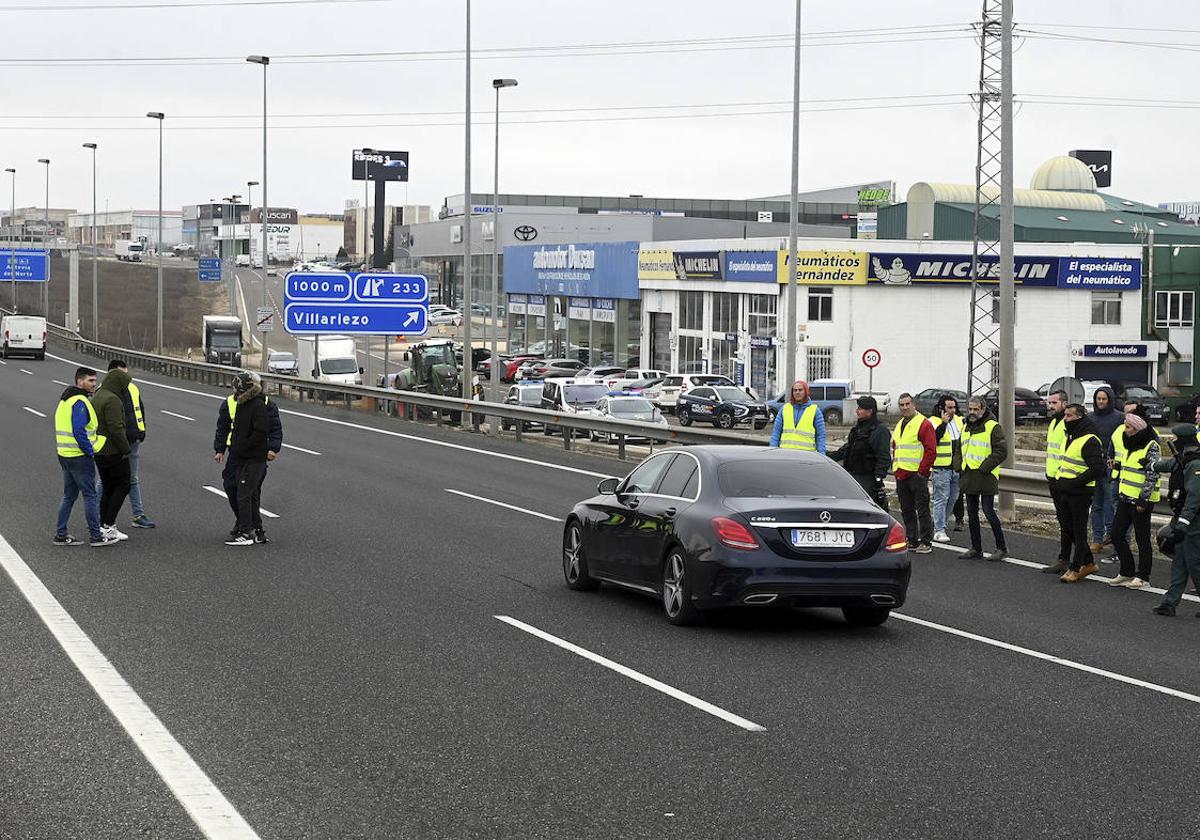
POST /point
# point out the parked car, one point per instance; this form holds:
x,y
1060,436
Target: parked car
x,y
711,527
926,401
24,335
647,388
641,373
609,373
283,363
1146,394
572,396
1027,405
444,316
613,407
680,383
526,396
828,394
546,368
725,406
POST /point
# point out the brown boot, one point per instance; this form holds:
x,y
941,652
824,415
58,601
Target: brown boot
x,y
1089,569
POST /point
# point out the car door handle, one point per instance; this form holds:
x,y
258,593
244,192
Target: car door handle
x,y
669,513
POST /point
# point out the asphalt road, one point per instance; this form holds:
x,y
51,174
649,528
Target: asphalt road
x,y
353,679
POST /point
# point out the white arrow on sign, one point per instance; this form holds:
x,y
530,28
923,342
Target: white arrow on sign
x,y
412,318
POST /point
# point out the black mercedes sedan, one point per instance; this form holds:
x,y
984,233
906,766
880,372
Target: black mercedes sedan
x,y
709,527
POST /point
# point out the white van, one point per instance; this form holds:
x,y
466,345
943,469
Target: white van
x,y
23,335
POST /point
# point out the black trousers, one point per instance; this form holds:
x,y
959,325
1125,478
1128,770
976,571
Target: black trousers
x,y
229,484
1065,540
959,509
250,475
913,493
1074,523
115,476
989,510
1126,515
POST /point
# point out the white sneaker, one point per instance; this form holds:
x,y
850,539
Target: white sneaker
x,y
941,536
1136,583
1120,580
112,531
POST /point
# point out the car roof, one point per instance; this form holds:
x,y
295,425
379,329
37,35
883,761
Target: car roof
x,y
715,454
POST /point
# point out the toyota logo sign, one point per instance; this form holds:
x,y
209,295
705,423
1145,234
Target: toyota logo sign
x,y
525,233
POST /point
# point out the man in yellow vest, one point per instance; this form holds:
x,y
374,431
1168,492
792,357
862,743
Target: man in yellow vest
x,y
1079,467
1056,440
226,413
77,439
984,448
947,428
1137,491
914,449
135,431
799,423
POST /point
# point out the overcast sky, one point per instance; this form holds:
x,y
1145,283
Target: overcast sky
x,y
734,155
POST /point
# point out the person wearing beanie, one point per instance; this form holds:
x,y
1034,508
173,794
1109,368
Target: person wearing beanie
x,y
1137,491
799,423
1108,422
866,454
1184,496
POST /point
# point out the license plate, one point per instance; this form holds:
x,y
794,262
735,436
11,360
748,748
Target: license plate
x,y
822,538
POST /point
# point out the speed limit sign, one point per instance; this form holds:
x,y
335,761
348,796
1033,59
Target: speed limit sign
x,y
871,357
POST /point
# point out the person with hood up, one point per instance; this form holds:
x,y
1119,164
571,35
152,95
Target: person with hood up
x,y
1080,465
1109,425
75,428
248,448
112,462
984,448
799,423
1184,530
866,454
224,437
1137,491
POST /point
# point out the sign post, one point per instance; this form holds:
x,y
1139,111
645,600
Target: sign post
x,y
871,358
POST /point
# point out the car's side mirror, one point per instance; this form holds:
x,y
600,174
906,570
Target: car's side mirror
x,y
360,369
607,486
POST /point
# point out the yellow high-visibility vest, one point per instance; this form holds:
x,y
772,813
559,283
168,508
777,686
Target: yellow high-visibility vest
x,y
1133,475
799,432
64,431
136,396
1071,463
907,449
231,403
1056,439
977,447
1118,443
945,447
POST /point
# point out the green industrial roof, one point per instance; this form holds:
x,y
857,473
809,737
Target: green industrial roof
x,y
1112,226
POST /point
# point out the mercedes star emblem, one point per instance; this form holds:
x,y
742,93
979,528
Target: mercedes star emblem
x,y
525,233
826,516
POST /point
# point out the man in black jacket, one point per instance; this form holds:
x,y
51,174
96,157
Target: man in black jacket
x,y
1080,465
867,453
248,451
221,443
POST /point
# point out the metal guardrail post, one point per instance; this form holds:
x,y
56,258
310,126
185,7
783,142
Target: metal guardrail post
x,y
621,447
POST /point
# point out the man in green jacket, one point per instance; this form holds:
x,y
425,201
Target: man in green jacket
x,y
984,448
112,462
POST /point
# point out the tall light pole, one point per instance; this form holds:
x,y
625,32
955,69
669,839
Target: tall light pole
x,y
264,61
46,244
497,84
95,256
789,358
160,116
468,367
12,249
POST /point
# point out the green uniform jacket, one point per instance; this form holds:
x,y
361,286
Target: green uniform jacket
x,y
110,412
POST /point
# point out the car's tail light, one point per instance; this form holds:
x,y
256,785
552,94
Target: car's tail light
x,y
896,540
734,534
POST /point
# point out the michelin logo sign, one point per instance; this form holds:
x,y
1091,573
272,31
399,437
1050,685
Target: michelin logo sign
x,y
1049,272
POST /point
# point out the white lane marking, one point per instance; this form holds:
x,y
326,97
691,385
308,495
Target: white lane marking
x,y
502,455
670,691
1030,564
205,804
180,416
300,449
27,372
60,382
1047,657
219,492
2,362
33,411
504,505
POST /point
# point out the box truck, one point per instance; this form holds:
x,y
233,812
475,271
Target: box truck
x,y
223,340
338,359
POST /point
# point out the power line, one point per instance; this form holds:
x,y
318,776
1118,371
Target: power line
x,y
1116,28
1088,39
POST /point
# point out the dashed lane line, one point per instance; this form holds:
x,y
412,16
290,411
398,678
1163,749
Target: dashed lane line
x,y
33,411
180,416
219,492
26,372
636,676
60,382
213,814
505,505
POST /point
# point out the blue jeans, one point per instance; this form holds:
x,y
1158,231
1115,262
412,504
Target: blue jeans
x,y
135,490
945,491
79,476
1104,507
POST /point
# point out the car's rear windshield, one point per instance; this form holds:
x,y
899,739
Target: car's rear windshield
x,y
1140,392
774,478
584,393
711,379
529,396
630,406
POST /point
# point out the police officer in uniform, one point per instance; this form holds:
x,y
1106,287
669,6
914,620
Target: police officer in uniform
x,y
1183,534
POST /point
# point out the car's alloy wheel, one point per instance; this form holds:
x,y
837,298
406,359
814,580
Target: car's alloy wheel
x,y
685,417
677,591
725,420
575,569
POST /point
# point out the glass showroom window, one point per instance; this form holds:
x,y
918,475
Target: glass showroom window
x,y
820,303
1106,308
1174,309
761,314
632,333
691,354
691,311
724,356
820,363
726,312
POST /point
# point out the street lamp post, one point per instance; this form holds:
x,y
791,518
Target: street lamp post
x,y
366,251
468,355
12,249
790,331
495,364
158,115
46,244
95,257
264,61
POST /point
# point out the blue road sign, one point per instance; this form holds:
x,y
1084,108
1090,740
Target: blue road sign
x,y
317,303
209,269
355,318
24,265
